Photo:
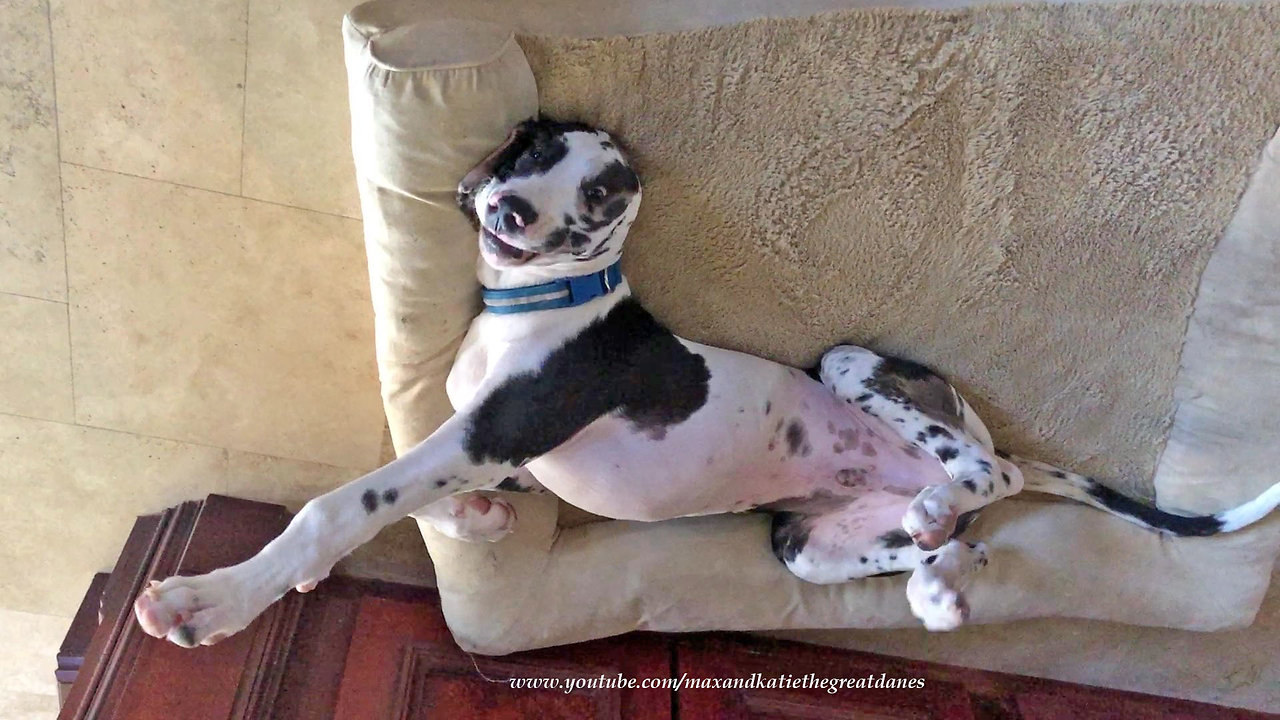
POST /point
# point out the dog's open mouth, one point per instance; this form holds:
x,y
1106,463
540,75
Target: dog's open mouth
x,y
495,247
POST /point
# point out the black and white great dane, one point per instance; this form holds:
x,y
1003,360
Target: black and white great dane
x,y
867,464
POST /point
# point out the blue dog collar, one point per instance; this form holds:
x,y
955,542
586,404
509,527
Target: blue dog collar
x,y
561,293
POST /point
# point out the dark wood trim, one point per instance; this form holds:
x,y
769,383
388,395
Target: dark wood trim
x,y
127,576
76,642
225,531
80,634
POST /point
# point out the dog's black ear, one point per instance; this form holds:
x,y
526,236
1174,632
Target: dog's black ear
x,y
484,171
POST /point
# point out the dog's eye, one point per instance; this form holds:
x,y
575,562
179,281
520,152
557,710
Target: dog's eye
x,y
596,193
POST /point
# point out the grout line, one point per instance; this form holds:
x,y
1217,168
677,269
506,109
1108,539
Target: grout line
x,y
244,91
62,209
33,297
144,436
215,192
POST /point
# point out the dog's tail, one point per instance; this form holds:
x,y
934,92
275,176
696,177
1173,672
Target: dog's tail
x,y
1045,478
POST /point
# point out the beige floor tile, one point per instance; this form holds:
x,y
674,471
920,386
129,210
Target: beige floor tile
x,y
31,257
297,141
279,480
35,358
212,319
30,645
152,88
70,498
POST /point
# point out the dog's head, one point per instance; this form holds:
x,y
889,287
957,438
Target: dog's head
x,y
555,194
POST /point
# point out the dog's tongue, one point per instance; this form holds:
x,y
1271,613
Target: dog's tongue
x,y
511,252
505,250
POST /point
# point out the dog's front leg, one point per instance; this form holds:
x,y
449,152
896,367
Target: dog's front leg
x,y
201,610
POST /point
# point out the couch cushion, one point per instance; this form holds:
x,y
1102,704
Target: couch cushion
x,y
425,107
1222,447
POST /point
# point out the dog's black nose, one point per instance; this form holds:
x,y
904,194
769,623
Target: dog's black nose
x,y
514,214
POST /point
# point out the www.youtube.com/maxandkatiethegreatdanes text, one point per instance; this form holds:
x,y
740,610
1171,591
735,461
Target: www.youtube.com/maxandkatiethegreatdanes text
x,y
756,681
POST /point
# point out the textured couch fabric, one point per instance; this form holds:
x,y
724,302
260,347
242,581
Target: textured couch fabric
x,y
430,99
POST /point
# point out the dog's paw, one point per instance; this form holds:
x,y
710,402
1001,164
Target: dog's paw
x,y
944,611
474,518
200,610
930,520
935,590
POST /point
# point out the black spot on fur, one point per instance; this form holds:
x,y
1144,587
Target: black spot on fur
x,y
850,477
912,384
187,636
894,539
569,221
970,485
390,495
795,436
789,535
540,145
511,484
864,397
931,560
768,407
939,431
615,178
1059,474
890,573
625,362
921,437
370,501
862,559
948,453
1007,480
555,240
441,483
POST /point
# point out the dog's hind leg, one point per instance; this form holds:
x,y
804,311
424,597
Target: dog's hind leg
x,y
926,411
851,541
846,544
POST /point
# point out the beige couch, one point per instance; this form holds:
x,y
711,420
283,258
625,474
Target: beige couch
x,y
429,99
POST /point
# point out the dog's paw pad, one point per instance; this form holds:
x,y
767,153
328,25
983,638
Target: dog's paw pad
x,y
478,518
943,611
191,611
